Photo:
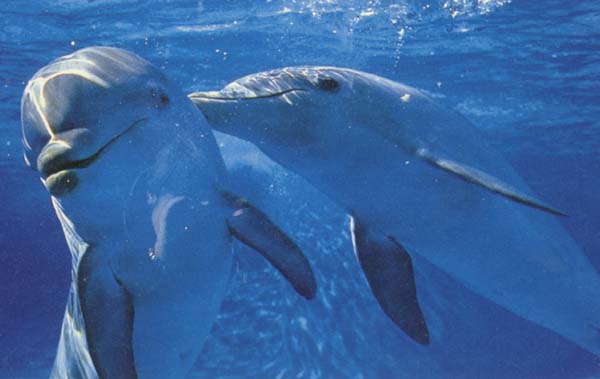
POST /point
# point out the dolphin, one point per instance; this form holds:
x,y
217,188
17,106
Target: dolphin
x,y
140,189
416,179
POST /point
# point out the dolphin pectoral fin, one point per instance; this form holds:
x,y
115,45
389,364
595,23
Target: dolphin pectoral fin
x,y
389,272
108,315
486,181
253,228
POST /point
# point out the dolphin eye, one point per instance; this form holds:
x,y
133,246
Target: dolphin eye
x,y
162,97
328,84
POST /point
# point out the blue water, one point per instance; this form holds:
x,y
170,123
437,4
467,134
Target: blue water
x,y
527,73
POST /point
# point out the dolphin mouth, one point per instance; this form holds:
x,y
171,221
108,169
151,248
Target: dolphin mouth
x,y
220,96
53,169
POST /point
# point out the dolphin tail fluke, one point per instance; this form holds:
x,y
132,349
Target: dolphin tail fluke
x,y
108,314
473,175
253,228
389,272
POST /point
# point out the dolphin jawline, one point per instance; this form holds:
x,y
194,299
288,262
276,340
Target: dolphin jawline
x,y
219,96
86,162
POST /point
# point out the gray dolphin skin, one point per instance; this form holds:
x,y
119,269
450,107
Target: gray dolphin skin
x,y
417,179
140,189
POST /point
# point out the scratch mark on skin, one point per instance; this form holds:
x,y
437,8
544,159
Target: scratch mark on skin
x,y
159,220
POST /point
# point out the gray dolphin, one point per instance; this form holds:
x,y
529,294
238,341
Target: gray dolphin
x,y
416,178
140,189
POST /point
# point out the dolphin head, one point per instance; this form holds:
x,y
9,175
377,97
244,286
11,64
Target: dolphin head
x,y
95,120
282,108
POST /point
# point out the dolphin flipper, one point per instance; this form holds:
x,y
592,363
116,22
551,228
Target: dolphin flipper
x,y
473,175
253,228
108,314
389,272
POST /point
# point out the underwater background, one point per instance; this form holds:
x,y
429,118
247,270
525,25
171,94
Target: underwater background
x,y
526,73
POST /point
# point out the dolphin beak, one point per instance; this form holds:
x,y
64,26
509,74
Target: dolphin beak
x,y
208,96
57,161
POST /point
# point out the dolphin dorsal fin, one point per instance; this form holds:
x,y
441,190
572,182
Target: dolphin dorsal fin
x,y
253,228
489,182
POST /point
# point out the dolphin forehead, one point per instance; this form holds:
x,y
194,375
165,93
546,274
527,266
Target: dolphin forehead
x,y
76,91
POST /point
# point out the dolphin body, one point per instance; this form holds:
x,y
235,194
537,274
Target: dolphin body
x,y
416,178
140,189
